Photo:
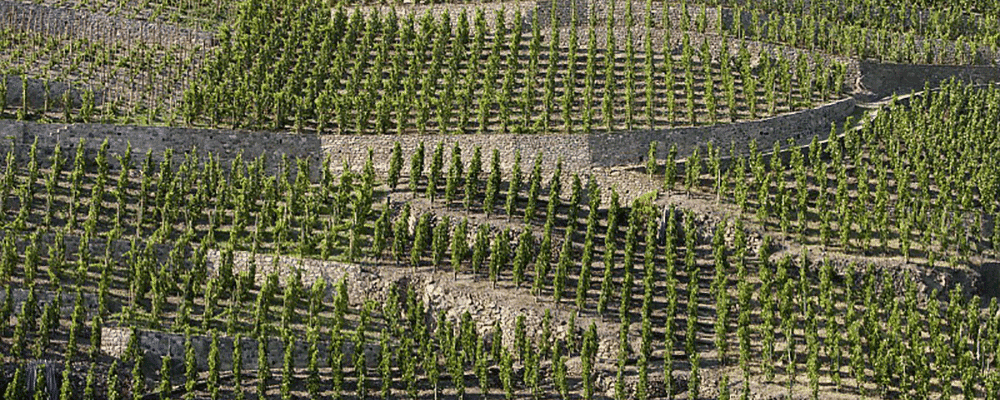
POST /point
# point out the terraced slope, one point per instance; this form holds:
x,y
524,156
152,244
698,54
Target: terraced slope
x,y
665,211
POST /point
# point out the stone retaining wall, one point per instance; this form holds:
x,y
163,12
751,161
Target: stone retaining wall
x,y
361,285
154,345
631,148
224,144
490,10
37,96
44,297
584,152
884,79
572,149
96,247
96,27
580,153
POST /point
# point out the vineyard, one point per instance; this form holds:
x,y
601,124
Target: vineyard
x,y
314,199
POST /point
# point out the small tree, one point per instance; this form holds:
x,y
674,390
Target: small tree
x,y
440,240
506,374
27,310
164,387
492,184
587,354
66,389
510,204
401,234
651,164
454,174
421,238
238,367
481,368
586,259
437,162
534,190
542,264
416,168
670,170
522,255
96,322
190,365
431,367
138,380
264,368
385,365
575,198
499,256
694,380
692,169
287,369
381,233
3,94
472,178
213,366
312,381
395,166
562,267
480,248
16,387
459,247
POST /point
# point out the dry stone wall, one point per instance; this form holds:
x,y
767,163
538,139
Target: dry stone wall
x,y
631,148
884,79
490,10
579,153
114,340
37,95
224,144
563,10
584,154
154,345
572,148
44,297
71,247
96,27
361,284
